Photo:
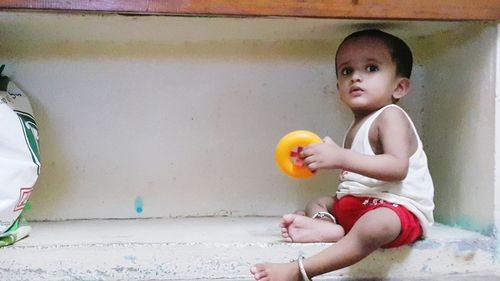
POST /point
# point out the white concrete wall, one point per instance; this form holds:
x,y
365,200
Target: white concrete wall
x,y
459,124
497,144
183,114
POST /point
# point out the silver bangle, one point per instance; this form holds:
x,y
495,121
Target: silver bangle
x,y
320,215
302,269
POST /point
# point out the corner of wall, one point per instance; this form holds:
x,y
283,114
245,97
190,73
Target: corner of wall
x,y
460,112
497,146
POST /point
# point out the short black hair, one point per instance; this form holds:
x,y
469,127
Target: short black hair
x,y
399,50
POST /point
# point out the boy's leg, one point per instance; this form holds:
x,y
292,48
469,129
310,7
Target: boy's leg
x,y
300,228
373,230
322,204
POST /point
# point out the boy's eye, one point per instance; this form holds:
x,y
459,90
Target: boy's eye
x,y
372,68
346,71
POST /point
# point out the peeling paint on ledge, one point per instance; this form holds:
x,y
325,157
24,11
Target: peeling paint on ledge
x,y
468,223
474,245
427,245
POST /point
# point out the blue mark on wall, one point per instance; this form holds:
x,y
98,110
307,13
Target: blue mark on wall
x,y
138,204
131,259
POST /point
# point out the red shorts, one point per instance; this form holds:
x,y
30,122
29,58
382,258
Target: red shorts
x,y
349,209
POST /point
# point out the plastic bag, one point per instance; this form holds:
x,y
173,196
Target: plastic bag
x,y
19,158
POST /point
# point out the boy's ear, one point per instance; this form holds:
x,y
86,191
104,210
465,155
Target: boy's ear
x,y
402,88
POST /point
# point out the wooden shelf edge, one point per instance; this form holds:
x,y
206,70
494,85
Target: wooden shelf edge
x,y
446,10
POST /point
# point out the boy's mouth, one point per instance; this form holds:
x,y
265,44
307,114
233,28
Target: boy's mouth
x,y
356,91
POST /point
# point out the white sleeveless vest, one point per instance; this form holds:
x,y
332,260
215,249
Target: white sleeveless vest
x,y
415,192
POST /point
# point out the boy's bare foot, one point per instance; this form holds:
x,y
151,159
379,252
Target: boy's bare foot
x,y
276,272
302,229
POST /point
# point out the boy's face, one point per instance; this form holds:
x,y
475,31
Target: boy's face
x,y
366,74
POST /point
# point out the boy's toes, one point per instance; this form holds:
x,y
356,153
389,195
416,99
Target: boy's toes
x,y
287,220
259,272
284,231
286,236
257,268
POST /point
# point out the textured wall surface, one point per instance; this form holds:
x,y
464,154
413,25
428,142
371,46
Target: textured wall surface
x,y
174,116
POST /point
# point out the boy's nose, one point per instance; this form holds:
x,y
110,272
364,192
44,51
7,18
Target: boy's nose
x,y
356,76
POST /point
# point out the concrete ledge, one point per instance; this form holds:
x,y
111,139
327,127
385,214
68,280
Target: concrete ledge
x,y
224,249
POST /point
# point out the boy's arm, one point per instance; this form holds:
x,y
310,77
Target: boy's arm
x,y
398,143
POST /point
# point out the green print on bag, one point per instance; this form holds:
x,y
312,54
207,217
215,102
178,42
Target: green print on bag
x,y
30,135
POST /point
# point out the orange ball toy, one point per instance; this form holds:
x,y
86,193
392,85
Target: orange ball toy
x,y
288,160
